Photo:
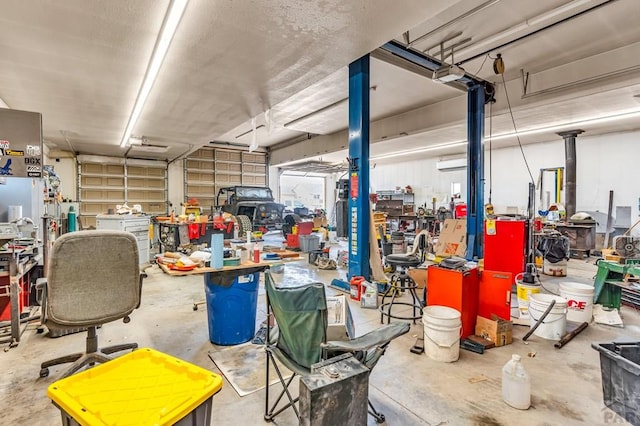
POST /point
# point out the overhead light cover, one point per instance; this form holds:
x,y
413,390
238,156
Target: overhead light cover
x,y
167,31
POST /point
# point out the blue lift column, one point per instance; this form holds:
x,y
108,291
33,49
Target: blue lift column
x,y
475,171
359,168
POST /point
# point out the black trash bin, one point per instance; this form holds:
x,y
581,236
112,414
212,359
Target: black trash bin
x,y
620,368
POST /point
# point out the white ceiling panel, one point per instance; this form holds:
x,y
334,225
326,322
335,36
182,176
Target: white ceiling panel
x,y
81,62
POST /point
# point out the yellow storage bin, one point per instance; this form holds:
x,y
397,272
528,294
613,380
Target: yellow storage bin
x,y
143,387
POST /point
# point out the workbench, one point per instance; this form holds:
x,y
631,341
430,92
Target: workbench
x,y
207,269
171,235
582,236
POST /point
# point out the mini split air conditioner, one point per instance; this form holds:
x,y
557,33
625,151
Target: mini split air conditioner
x,y
447,74
457,164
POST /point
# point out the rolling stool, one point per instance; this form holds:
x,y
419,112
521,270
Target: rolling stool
x,y
401,281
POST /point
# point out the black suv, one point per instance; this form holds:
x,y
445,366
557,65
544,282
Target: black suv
x,y
253,206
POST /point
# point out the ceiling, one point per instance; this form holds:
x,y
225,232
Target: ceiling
x,y
284,65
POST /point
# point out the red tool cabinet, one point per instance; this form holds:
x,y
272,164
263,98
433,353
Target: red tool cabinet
x,y
455,289
495,294
505,246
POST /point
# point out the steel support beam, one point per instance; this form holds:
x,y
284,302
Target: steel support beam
x,y
570,168
359,220
479,92
430,63
475,171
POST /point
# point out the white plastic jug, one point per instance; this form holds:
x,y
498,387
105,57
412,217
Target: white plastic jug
x,y
516,385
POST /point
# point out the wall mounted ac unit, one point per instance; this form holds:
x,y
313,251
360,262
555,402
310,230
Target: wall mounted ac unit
x,y
457,164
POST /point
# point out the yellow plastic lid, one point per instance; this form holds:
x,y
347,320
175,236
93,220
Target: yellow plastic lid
x,y
143,387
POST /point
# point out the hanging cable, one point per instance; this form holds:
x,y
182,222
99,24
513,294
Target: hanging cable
x,y
515,128
482,65
490,151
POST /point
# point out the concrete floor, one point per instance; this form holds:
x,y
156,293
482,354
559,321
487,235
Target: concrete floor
x,y
409,389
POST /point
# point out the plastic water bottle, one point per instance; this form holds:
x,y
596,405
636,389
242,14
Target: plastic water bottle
x,y
516,385
71,220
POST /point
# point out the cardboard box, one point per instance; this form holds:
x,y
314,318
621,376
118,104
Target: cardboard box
x,y
452,239
319,222
340,322
495,330
419,275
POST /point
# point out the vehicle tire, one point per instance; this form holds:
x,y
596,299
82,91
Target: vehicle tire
x,y
244,225
292,219
288,222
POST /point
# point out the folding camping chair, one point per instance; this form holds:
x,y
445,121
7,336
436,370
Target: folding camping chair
x,y
301,317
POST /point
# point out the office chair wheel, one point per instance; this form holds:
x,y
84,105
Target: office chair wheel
x,y
268,419
195,306
44,372
380,419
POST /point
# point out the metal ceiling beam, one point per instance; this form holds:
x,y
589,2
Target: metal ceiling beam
x,y
465,15
418,58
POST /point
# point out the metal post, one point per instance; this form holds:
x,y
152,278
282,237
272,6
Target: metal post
x,y
359,221
14,295
570,166
475,171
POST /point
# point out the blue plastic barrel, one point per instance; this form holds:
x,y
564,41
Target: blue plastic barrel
x,y
231,309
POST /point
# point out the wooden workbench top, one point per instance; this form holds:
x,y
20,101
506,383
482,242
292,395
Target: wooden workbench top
x,y
205,269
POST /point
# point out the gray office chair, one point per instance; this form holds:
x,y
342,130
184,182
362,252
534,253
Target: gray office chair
x,y
93,278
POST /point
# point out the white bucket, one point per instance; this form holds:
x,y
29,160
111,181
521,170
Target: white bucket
x,y
442,330
555,324
558,269
523,293
579,301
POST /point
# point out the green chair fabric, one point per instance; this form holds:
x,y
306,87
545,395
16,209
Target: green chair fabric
x,y
301,317
301,313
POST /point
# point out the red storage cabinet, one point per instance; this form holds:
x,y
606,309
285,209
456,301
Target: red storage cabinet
x,y
455,289
5,300
505,245
495,294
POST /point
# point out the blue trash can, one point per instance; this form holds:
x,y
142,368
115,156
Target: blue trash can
x,y
231,309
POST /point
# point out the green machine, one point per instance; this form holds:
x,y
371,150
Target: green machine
x,y
610,281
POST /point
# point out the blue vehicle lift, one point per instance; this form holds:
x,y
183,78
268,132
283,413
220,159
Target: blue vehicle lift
x,y
479,93
359,220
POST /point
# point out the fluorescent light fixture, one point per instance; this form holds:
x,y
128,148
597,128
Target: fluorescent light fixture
x,y
167,31
419,150
586,122
522,26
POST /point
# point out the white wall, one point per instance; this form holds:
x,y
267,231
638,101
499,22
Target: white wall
x,y
426,181
605,162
